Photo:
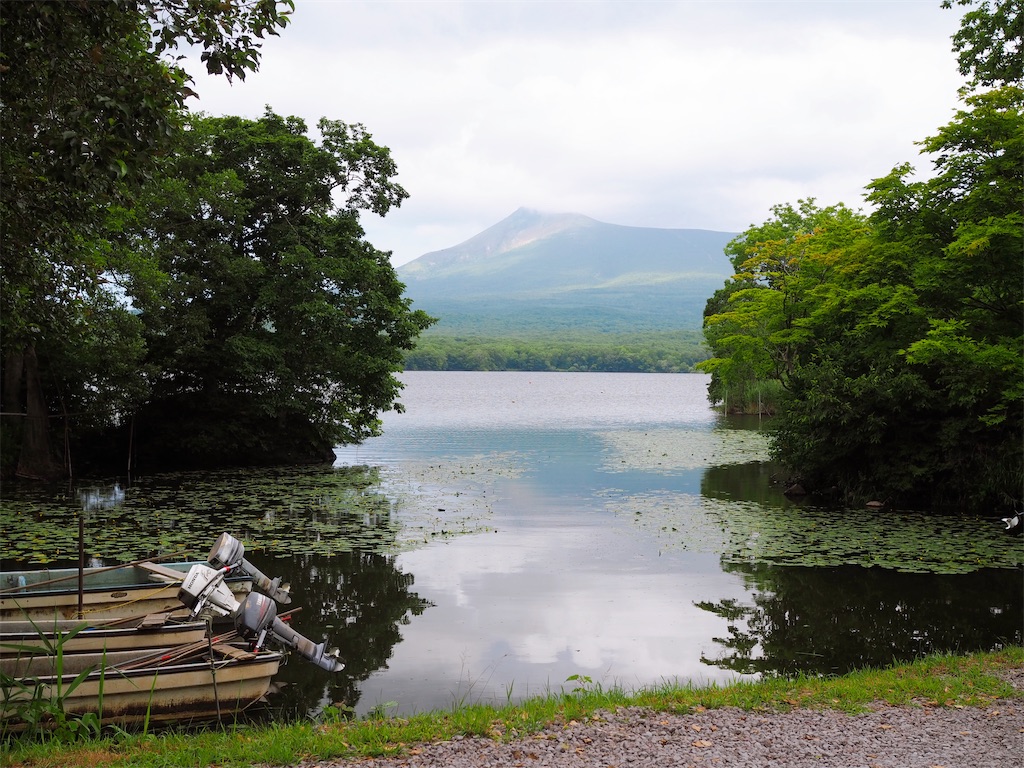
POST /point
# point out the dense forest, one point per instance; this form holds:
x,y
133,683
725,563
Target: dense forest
x,y
180,289
648,352
893,342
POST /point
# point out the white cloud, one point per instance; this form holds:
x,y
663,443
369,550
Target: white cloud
x,y
671,114
523,609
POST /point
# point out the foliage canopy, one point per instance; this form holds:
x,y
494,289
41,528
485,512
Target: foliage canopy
x,y
136,275
897,339
276,313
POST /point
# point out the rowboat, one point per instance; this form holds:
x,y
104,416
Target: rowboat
x,y
31,638
129,687
135,589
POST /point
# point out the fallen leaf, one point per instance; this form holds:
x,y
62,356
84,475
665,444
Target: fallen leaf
x,y
694,727
701,743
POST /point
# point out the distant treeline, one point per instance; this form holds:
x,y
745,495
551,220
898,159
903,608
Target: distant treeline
x,y
655,352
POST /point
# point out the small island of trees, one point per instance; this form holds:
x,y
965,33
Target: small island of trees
x,y
892,344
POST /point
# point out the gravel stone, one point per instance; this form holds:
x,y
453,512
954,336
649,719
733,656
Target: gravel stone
x,y
885,737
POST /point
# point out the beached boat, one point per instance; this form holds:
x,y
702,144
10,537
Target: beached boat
x,y
116,592
36,638
180,684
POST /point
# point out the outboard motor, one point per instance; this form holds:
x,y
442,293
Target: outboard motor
x,y
257,617
229,552
204,586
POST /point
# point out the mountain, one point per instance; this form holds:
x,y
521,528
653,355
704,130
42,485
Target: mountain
x,y
536,271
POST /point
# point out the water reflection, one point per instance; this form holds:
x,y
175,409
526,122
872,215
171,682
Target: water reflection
x,y
754,481
828,621
524,528
359,601
100,497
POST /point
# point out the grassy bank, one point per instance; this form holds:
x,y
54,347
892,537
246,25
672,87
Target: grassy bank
x,y
934,681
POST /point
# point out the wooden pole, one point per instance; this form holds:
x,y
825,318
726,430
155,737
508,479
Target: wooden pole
x,y
81,565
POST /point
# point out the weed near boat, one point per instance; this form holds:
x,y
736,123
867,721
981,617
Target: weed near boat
x,y
938,681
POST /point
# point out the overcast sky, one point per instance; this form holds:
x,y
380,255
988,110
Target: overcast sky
x,y
658,114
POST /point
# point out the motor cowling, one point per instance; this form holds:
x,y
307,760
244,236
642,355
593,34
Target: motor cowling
x,y
256,619
204,587
229,552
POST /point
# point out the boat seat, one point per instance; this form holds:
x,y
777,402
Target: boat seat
x,y
233,652
162,573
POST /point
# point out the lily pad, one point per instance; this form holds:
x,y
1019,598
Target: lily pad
x,y
905,541
672,450
282,512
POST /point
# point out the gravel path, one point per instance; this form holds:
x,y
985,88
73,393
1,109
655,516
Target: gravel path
x,y
893,737
889,737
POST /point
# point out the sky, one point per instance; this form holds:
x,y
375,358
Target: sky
x,y
675,114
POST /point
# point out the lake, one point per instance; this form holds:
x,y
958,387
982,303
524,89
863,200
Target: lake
x,y
511,531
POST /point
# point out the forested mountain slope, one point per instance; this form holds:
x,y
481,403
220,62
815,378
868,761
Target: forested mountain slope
x,y
535,271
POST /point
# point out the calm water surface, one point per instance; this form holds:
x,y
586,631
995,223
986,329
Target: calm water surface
x,y
552,525
574,570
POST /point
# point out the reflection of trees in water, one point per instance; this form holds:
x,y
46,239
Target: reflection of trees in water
x,y
833,620
753,481
359,601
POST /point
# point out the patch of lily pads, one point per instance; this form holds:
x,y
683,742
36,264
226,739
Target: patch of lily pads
x,y
279,512
441,499
745,532
676,449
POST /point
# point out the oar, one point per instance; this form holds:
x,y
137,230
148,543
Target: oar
x,y
177,653
104,569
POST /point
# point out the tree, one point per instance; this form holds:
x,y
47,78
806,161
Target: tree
x,y
913,386
988,43
90,102
280,329
755,324
904,361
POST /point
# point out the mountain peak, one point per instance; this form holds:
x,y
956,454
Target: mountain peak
x,y
570,262
521,228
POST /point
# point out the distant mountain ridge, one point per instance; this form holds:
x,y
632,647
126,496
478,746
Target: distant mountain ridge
x,y
541,270
521,229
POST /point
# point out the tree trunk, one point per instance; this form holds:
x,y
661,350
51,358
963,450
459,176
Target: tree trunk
x,y
14,371
36,460
12,406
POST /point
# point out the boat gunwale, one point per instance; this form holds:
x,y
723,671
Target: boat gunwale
x,y
48,590
263,657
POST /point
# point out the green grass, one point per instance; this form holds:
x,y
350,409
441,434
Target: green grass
x,y
942,681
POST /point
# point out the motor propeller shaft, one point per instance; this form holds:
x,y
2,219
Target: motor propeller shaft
x,y
257,618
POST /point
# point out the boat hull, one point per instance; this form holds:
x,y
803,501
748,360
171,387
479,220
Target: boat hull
x,y
188,691
134,590
26,638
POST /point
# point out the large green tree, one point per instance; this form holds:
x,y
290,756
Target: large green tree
x,y
90,98
280,329
755,324
906,375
